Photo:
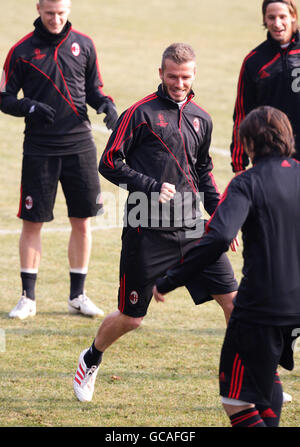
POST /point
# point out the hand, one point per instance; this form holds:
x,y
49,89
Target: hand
x,y
167,192
235,244
111,118
40,113
159,297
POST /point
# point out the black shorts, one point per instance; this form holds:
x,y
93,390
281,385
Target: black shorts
x,y
148,254
249,359
78,175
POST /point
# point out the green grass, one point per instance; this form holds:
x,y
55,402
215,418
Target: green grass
x,y
165,373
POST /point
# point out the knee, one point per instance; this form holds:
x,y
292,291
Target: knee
x,y
31,228
234,409
80,226
129,323
133,323
226,300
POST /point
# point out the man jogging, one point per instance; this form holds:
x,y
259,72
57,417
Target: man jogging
x,y
159,151
56,67
270,75
265,321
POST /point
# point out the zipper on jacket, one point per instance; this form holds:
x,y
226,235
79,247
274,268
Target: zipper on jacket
x,y
184,146
71,103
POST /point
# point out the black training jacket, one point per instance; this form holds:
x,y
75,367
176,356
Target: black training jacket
x,y
155,142
264,201
270,76
61,71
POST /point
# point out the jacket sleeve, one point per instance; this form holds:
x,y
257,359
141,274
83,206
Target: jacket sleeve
x,y
11,84
94,84
115,161
222,228
207,184
245,102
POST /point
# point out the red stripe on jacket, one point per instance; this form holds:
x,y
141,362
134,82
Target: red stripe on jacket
x,y
8,59
238,149
122,128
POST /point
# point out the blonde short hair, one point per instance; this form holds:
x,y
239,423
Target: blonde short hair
x,y
179,53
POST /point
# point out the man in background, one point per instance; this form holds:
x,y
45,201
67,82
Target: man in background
x,y
57,69
270,75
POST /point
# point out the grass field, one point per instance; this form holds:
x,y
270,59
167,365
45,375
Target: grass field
x,y
165,373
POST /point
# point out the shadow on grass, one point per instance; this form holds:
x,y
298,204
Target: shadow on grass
x,y
39,315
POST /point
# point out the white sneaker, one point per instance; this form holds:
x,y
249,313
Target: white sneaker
x,y
286,397
84,380
25,308
82,304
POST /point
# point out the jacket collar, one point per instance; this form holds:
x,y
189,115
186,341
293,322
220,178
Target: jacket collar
x,y
262,158
162,94
43,34
294,41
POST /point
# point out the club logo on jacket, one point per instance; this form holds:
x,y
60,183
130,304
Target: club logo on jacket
x,y
196,124
75,49
28,203
134,297
263,74
162,122
38,55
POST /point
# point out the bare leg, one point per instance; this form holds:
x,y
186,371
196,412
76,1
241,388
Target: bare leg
x,y
226,302
113,327
232,409
30,247
80,243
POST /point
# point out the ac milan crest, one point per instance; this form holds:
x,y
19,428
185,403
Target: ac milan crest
x,y
28,203
134,297
75,49
196,124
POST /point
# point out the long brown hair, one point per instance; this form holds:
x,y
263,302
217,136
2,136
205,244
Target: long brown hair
x,y
267,131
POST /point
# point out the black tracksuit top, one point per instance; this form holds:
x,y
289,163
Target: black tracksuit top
x,y
162,143
264,201
61,71
270,76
